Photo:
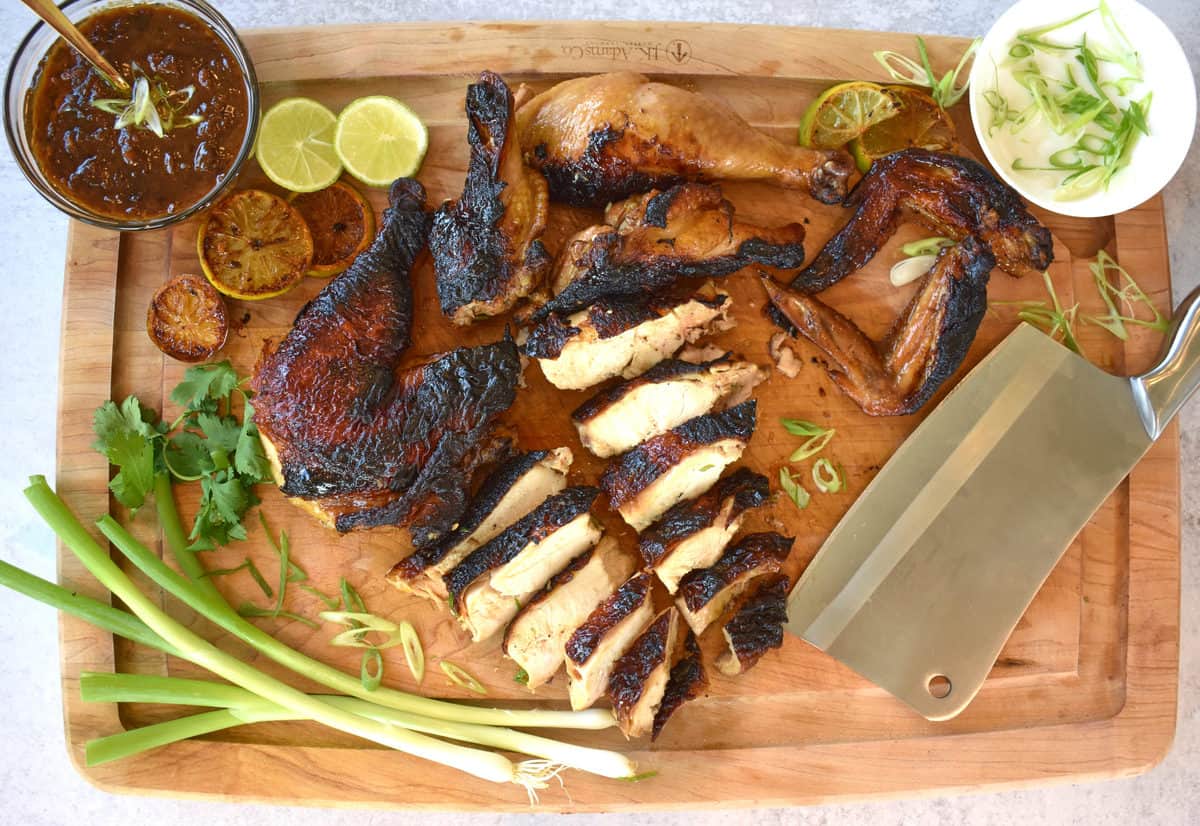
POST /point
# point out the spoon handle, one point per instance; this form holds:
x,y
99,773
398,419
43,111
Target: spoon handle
x,y
58,21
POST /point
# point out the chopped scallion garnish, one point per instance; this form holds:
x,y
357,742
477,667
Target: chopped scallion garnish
x,y
946,92
461,678
793,489
414,654
827,477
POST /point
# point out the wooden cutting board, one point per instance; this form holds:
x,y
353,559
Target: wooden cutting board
x,y
1085,688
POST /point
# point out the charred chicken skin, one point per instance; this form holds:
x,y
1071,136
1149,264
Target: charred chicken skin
x,y
952,196
927,344
603,137
486,248
355,437
650,241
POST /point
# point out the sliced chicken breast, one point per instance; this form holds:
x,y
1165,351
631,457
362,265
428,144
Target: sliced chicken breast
x,y
678,465
665,396
705,594
694,533
489,586
536,636
687,682
604,636
622,336
509,493
757,626
639,677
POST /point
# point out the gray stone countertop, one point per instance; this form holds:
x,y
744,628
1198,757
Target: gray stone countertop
x,y
37,783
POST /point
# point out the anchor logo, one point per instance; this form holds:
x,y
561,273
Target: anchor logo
x,y
679,50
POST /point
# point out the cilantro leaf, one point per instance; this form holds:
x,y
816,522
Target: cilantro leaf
x,y
222,432
204,383
250,460
134,455
187,456
110,421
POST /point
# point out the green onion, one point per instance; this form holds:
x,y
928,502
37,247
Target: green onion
x,y
826,477
793,489
1128,294
812,446
927,246
139,688
255,574
521,677
461,678
329,602
247,609
802,427
946,92
414,654
1053,320
358,626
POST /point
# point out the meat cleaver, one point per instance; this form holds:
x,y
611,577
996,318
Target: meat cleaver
x,y
924,579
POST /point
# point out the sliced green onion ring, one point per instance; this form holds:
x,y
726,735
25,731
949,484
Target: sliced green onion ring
x,y
414,654
461,678
826,477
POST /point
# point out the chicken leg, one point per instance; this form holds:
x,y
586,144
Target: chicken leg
x,y
604,137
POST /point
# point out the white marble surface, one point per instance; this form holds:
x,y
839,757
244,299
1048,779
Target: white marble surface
x,y
37,784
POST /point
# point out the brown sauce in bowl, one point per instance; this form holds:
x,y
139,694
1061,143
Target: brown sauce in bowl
x,y
131,173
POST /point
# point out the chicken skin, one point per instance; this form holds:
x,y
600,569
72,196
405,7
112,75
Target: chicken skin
x,y
603,137
486,245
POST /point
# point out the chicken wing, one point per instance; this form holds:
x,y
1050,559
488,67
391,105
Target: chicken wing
x,y
603,137
649,241
486,248
925,347
950,195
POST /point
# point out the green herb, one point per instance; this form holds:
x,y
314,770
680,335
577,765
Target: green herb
x,y
946,92
350,597
286,569
329,602
827,477
802,427
391,718
1127,294
247,609
521,677
638,778
927,246
249,566
371,670
414,653
461,678
818,437
793,489
151,105
1104,130
1053,320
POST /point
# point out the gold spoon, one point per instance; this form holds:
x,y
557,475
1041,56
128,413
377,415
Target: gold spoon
x,y
58,21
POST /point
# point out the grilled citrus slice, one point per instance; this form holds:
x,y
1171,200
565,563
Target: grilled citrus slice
x,y
342,225
187,319
254,245
841,113
919,122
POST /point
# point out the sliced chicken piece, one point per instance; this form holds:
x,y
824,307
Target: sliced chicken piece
x,y
665,396
687,682
536,637
680,464
705,594
489,586
757,626
639,677
605,635
623,336
510,492
693,534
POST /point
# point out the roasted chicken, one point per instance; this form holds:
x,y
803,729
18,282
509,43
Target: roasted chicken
x,y
682,463
486,245
952,196
622,336
687,682
603,137
536,636
649,241
694,533
665,396
757,625
924,348
509,492
353,436
639,676
704,594
487,588
593,648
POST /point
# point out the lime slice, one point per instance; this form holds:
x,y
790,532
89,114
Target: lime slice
x,y
843,112
295,145
379,139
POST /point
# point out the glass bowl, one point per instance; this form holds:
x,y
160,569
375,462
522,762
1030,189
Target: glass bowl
x,y
23,68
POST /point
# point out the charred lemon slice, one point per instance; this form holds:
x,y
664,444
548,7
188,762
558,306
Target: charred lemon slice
x,y
342,225
843,112
919,122
254,245
187,319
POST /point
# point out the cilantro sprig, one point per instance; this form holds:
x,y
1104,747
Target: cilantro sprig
x,y
205,444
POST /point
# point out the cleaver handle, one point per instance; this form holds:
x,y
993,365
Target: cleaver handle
x,y
1161,391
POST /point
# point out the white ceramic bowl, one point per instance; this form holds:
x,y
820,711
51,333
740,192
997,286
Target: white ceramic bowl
x,y
1172,119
